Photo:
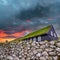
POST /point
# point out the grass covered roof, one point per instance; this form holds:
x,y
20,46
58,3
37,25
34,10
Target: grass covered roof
x,y
38,32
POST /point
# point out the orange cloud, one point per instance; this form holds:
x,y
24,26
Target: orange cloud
x,y
18,34
3,34
2,40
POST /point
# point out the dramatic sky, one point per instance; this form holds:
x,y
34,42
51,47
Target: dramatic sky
x,y
19,17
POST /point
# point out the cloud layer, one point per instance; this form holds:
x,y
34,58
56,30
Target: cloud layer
x,y
20,15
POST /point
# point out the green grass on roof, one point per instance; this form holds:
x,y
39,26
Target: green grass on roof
x,y
38,32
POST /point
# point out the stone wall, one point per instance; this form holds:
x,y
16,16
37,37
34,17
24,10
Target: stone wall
x,y
30,50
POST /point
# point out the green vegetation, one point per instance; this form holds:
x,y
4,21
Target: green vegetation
x,y
38,32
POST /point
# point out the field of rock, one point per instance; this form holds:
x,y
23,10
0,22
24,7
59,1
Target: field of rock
x,y
30,50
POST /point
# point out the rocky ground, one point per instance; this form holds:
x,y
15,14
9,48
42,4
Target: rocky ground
x,y
30,50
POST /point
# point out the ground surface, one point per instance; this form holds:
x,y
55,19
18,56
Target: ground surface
x,y
30,50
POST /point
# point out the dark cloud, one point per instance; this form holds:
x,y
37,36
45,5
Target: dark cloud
x,y
39,11
14,14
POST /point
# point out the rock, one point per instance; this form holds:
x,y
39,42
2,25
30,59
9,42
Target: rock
x,y
23,58
42,42
16,58
37,47
9,58
42,46
34,52
32,57
31,53
52,53
58,49
49,49
58,54
42,58
25,53
39,50
28,58
13,55
58,44
50,58
55,58
38,54
47,45
33,44
44,53
52,46
52,42
47,57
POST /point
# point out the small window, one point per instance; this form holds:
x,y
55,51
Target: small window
x,y
39,38
30,38
34,39
54,35
51,33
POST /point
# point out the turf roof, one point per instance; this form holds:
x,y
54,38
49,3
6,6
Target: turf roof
x,y
38,32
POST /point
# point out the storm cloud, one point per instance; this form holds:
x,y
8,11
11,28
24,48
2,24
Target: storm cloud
x,y
19,15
